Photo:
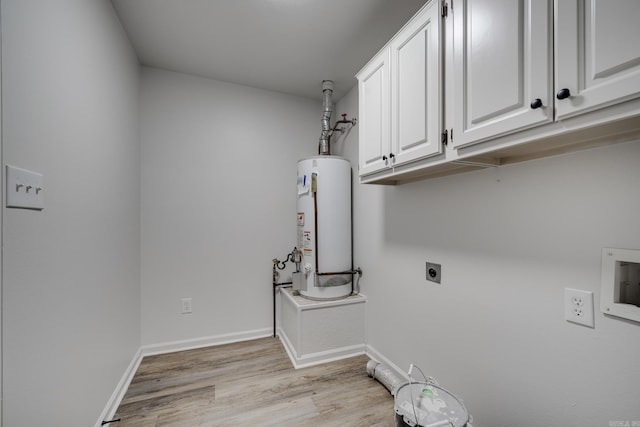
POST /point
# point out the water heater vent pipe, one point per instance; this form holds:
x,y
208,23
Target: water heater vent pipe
x,y
324,148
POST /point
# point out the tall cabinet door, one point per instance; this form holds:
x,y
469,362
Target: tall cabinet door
x,y
373,90
597,54
502,67
416,88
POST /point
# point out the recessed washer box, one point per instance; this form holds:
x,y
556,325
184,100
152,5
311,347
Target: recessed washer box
x,y
620,287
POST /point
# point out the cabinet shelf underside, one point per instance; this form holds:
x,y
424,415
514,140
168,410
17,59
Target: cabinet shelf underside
x,y
624,130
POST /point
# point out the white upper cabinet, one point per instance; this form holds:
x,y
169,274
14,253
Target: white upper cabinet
x,y
502,67
401,97
416,118
520,79
374,119
597,54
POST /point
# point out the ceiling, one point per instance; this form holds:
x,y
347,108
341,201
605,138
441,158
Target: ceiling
x,y
287,46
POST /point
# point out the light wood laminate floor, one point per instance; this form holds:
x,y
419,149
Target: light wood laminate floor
x,y
252,383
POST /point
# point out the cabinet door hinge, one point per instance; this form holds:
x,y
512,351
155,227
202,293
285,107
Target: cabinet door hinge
x,y
445,137
444,10
452,135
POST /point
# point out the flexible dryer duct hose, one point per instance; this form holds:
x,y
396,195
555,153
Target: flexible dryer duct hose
x,y
385,375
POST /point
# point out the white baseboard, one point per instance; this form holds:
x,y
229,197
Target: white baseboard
x,y
318,358
117,395
288,347
173,346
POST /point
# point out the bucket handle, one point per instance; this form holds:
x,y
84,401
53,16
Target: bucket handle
x,y
428,380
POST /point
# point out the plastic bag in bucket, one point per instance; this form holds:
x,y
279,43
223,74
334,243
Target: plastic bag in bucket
x,y
428,405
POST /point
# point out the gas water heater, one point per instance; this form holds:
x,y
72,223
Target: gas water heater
x,y
324,228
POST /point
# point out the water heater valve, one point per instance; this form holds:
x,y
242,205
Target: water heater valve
x,y
297,255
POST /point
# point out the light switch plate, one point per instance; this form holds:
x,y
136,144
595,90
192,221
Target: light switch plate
x,y
25,189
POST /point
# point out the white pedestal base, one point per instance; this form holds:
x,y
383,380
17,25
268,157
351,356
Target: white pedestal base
x,y
315,332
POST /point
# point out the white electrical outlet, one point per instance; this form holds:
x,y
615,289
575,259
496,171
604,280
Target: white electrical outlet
x,y
578,307
186,305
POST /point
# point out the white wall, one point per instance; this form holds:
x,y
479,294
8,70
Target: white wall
x,y
217,182
509,240
71,299
1,214
218,201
